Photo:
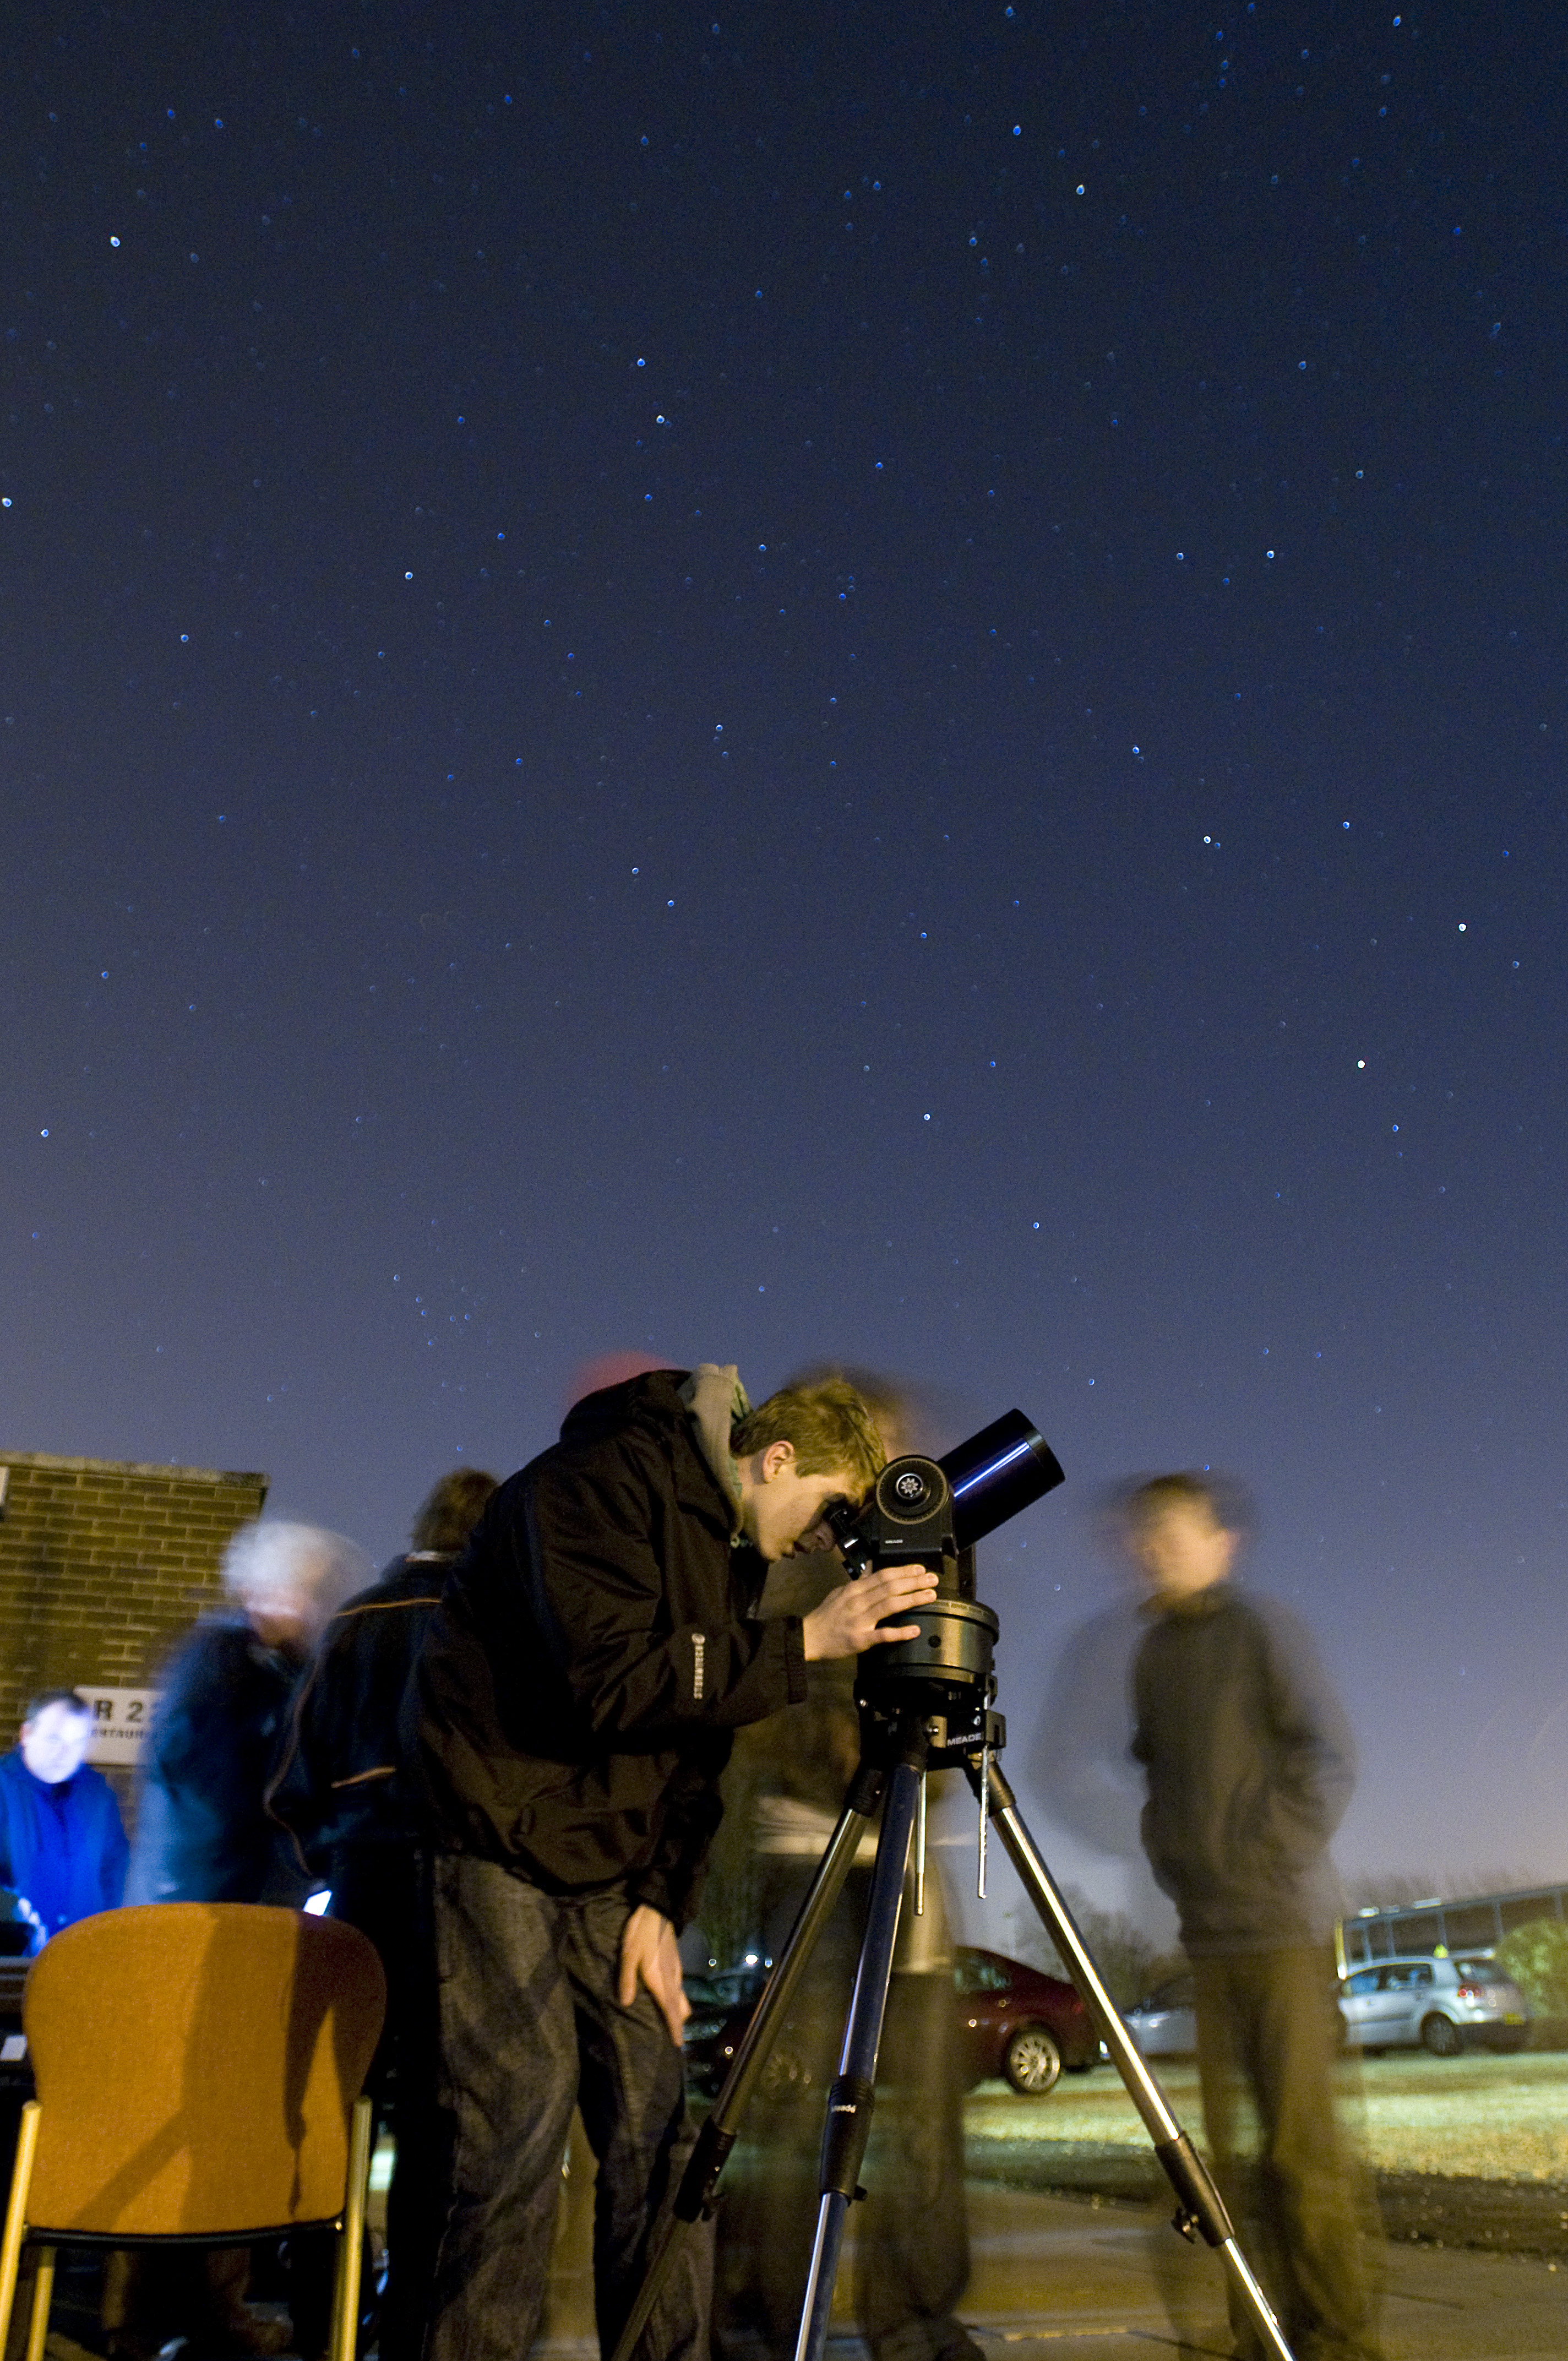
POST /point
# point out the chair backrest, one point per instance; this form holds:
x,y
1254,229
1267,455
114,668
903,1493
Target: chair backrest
x,y
196,2064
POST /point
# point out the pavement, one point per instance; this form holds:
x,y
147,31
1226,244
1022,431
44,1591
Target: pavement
x,y
1066,2279
1087,2280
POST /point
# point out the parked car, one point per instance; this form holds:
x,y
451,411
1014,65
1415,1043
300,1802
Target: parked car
x,y
725,1988
1013,2021
720,2005
1163,2025
1018,2023
1428,2002
1440,2004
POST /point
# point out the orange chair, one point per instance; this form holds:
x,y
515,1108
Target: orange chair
x,y
198,2068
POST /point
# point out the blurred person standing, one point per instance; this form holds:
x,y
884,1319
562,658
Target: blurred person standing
x,y
342,1792
1250,1764
202,1831
62,1842
203,1834
340,1787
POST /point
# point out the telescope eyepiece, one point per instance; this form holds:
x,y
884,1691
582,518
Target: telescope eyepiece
x,y
912,1490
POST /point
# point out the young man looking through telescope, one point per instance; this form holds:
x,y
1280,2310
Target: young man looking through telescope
x,y
576,1697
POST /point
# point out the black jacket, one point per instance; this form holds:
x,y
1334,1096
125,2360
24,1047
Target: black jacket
x,y
340,1786
577,1686
201,1830
1250,1765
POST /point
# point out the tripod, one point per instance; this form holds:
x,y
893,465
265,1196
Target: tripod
x,y
911,1722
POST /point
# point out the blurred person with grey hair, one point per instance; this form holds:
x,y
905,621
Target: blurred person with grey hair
x,y
1250,1764
341,1786
202,1832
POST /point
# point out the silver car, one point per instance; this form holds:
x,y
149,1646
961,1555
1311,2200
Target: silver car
x,y
1440,2005
1163,2025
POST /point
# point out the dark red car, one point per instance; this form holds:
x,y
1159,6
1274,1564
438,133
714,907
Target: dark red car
x,y
1013,2021
1019,2023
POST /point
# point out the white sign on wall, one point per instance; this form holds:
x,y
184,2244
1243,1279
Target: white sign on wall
x,y
121,1718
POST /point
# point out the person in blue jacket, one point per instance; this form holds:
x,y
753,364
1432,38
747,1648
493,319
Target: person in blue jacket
x,y
62,1844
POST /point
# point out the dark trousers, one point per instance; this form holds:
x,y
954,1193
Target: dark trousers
x,y
1269,2043
384,1890
912,2249
530,2027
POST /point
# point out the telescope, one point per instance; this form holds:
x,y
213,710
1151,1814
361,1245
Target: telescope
x,y
932,1513
918,1506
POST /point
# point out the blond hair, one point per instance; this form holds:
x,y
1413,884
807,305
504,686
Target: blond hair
x,y
830,1425
451,1509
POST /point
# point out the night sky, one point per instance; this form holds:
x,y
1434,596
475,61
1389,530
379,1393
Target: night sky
x,y
849,681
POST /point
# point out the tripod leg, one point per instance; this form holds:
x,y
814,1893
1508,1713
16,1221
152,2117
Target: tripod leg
x,y
718,2133
1198,2207
850,2100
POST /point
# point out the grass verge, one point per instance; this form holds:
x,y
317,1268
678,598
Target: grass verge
x,y
1470,2151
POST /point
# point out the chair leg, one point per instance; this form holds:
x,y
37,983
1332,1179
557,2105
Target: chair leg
x,y
16,2213
351,2237
43,2296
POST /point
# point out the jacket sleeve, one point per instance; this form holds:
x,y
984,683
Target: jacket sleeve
x,y
595,1570
182,1805
1143,1748
672,1880
194,1712
1314,1768
298,1797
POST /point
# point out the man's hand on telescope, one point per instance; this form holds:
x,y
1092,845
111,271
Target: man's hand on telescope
x,y
847,1620
648,1956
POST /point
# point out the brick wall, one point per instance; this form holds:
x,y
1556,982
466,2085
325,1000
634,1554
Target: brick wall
x,y
104,1562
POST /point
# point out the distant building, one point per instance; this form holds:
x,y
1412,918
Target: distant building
x,y
103,1564
1474,1924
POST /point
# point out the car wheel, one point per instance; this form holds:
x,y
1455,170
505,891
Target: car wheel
x,y
1440,2036
1031,2061
1375,2050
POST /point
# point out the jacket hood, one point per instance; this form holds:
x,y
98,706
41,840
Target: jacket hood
x,y
699,1404
652,1401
